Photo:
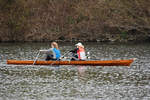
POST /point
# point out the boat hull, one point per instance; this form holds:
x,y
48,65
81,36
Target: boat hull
x,y
92,63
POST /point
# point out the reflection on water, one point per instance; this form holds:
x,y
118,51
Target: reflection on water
x,y
32,82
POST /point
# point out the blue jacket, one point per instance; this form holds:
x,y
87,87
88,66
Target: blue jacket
x,y
56,53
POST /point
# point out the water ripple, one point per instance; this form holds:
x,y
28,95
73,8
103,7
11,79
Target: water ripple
x,y
32,82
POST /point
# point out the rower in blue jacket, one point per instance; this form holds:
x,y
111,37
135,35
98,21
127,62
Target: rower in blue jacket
x,y
53,53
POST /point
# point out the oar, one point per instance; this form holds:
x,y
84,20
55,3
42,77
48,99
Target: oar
x,y
36,58
65,54
88,55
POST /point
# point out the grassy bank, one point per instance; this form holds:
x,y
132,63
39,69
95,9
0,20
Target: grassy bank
x,y
74,20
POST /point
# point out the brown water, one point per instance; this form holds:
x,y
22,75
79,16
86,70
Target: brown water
x,y
32,82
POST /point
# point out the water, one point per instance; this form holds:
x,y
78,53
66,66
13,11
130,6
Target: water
x,y
32,82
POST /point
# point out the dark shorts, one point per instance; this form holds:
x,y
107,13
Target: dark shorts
x,y
50,57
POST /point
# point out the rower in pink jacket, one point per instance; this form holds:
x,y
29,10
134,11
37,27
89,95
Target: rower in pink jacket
x,y
79,52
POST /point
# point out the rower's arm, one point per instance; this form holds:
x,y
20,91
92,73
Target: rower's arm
x,y
45,51
74,51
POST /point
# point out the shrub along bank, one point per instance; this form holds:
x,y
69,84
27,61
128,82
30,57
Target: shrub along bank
x,y
74,20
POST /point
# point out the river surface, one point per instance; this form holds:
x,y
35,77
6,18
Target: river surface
x,y
35,82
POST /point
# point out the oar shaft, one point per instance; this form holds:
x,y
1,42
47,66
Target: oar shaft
x,y
65,54
36,58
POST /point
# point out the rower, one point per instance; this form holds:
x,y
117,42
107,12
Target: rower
x,y
56,54
78,53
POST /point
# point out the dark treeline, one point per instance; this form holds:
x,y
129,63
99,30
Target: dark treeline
x,y
73,20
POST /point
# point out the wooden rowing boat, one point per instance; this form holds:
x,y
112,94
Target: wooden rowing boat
x,y
92,62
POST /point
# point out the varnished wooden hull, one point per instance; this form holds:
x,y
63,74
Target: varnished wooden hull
x,y
92,63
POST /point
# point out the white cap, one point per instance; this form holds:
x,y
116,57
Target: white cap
x,y
80,45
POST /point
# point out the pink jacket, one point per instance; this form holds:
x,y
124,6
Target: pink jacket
x,y
81,54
